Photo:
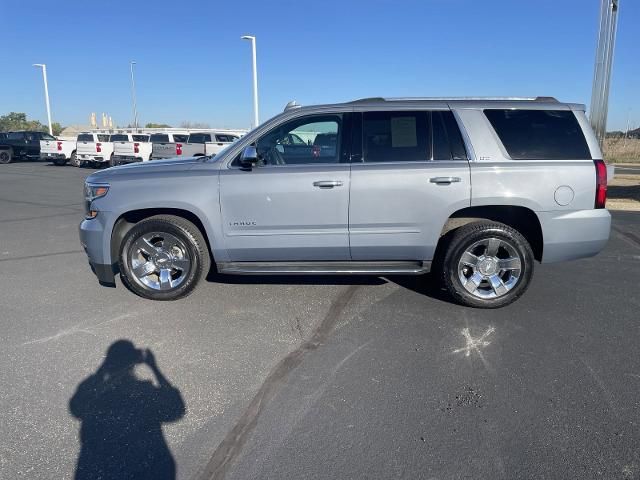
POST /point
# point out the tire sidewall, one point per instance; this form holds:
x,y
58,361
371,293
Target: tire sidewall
x,y
459,246
5,156
130,280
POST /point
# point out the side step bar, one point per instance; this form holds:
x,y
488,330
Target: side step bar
x,y
325,268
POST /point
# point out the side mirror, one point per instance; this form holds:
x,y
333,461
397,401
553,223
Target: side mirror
x,y
249,157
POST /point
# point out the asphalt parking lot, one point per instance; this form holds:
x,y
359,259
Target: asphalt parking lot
x,y
287,377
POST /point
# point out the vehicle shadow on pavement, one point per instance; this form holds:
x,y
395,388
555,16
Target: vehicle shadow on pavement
x,y
122,415
426,284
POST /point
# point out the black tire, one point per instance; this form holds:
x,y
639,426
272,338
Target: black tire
x,y
511,244
73,160
191,238
60,162
6,156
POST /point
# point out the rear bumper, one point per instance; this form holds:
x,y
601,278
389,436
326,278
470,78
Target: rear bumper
x,y
575,234
91,239
84,157
122,160
52,156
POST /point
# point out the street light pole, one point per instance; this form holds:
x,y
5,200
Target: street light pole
x,y
255,78
46,93
133,97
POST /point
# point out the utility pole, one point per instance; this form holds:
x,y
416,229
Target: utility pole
x,y
46,93
602,72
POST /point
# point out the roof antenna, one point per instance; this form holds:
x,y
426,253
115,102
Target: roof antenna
x,y
291,105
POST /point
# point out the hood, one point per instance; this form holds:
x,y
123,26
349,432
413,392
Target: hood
x,y
147,168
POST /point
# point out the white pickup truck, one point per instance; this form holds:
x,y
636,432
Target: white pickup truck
x,y
60,151
130,147
163,145
199,144
94,148
206,144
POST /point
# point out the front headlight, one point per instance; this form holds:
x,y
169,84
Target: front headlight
x,y
91,192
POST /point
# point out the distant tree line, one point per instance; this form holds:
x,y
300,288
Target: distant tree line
x,y
13,121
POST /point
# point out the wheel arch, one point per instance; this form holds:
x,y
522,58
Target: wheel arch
x,y
523,219
127,220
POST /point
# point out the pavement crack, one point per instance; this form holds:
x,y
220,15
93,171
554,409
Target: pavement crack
x,y
26,257
231,446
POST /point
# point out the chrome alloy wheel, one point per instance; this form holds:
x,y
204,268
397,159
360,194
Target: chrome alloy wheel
x,y
490,268
159,260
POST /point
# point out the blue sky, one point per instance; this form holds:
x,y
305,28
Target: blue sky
x,y
192,65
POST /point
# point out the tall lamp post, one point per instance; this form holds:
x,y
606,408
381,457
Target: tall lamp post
x,y
602,72
255,78
46,93
133,97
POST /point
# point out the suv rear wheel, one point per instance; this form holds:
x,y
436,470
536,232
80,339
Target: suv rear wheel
x,y
487,265
163,258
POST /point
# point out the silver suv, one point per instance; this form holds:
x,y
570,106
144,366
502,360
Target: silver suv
x,y
475,190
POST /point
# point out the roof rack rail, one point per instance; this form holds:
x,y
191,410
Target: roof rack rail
x,y
409,99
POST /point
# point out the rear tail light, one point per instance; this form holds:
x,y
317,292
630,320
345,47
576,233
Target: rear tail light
x,y
601,184
178,149
136,148
98,147
59,145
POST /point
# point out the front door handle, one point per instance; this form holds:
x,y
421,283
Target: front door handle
x,y
327,183
445,180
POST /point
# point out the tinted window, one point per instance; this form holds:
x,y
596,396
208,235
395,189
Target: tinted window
x,y
226,138
539,134
103,138
119,138
199,137
46,136
180,138
85,137
159,138
140,138
15,136
447,140
302,141
395,137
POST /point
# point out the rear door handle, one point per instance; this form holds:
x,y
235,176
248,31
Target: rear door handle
x,y
445,180
327,183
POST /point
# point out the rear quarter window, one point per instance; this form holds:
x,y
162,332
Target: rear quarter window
x,y
539,134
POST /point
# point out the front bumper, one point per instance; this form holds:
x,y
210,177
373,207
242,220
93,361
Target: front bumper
x,y
91,238
575,234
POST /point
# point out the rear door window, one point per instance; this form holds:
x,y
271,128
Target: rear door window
x,y
396,136
180,138
539,134
447,139
140,138
104,138
46,136
226,138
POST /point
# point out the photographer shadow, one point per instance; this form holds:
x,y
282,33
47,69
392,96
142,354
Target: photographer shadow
x,y
122,415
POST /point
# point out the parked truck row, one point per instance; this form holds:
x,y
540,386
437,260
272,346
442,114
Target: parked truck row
x,y
99,149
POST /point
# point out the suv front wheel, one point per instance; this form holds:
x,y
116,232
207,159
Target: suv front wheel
x,y
163,258
487,265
